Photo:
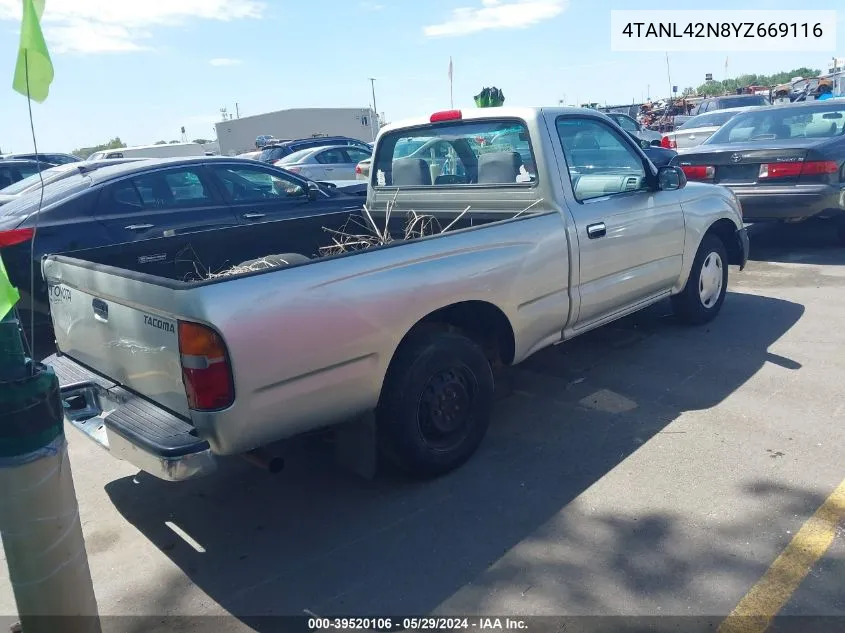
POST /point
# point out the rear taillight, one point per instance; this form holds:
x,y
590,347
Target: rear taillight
x,y
295,170
358,169
668,143
698,172
15,236
205,368
769,171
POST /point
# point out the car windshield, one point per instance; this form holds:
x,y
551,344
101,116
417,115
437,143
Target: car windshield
x,y
52,192
711,119
769,124
35,180
296,157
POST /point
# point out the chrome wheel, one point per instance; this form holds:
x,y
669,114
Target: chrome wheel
x,y
710,280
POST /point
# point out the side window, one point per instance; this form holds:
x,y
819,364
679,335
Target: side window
x,y
176,189
25,171
331,157
251,184
6,177
600,161
629,125
357,155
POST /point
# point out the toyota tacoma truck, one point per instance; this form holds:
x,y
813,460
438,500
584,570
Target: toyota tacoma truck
x,y
516,229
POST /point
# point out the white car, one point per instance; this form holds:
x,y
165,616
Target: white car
x,y
333,162
699,128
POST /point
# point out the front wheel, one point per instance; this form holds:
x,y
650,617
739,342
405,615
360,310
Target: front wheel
x,y
702,297
436,403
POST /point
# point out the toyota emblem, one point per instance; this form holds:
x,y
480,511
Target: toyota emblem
x,y
736,158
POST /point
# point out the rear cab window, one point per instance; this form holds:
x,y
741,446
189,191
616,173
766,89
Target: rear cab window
x,y
455,154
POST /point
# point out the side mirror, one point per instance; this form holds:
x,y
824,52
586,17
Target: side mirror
x,y
313,191
670,178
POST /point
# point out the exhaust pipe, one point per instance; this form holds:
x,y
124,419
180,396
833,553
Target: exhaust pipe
x,y
265,460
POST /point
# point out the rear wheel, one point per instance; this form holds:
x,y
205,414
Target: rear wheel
x,y
702,297
436,403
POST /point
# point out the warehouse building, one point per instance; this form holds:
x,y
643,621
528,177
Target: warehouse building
x,y
236,136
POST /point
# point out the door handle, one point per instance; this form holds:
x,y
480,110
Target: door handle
x,y
252,216
139,227
101,309
329,168
595,231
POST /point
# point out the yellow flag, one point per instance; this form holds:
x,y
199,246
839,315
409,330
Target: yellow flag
x,y
34,69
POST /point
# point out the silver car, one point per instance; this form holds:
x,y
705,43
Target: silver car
x,y
699,128
333,162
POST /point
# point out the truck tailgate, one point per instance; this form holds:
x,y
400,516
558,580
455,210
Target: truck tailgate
x,y
102,321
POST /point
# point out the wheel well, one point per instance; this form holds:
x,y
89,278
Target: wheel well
x,y
483,322
725,230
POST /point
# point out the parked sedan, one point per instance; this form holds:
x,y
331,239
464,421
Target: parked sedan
x,y
275,151
632,127
785,162
325,163
699,128
14,170
35,181
155,197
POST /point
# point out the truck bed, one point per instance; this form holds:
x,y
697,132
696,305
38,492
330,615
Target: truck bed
x,y
192,259
328,325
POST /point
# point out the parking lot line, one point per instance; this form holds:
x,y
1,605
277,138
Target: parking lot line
x,y
755,611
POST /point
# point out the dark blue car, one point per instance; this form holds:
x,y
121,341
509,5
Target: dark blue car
x,y
157,197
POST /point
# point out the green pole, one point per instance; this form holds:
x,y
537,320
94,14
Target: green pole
x,y
39,515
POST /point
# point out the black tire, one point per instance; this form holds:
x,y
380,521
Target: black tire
x,y
436,403
693,305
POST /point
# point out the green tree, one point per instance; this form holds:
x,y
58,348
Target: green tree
x,y
161,142
688,91
201,141
173,142
85,152
713,88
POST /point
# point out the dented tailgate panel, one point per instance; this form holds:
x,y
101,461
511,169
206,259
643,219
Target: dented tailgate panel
x,y
136,348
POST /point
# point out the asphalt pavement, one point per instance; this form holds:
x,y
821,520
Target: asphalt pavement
x,y
645,469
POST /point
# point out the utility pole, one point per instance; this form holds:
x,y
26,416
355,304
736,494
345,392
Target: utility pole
x,y
375,107
237,110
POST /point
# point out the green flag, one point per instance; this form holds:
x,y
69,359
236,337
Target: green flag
x,y
33,58
8,295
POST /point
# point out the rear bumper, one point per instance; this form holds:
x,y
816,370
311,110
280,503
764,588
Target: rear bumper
x,y
131,428
796,202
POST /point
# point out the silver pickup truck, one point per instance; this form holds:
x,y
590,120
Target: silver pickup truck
x,y
512,230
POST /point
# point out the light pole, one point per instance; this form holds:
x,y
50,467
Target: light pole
x,y
375,107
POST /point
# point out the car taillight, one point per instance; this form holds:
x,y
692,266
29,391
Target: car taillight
x,y
446,115
295,170
15,236
668,143
769,171
206,371
698,172
358,169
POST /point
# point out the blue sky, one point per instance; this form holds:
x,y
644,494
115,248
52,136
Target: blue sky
x,y
140,69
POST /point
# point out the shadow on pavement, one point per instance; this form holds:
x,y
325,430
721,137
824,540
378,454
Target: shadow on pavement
x,y
812,242
317,538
